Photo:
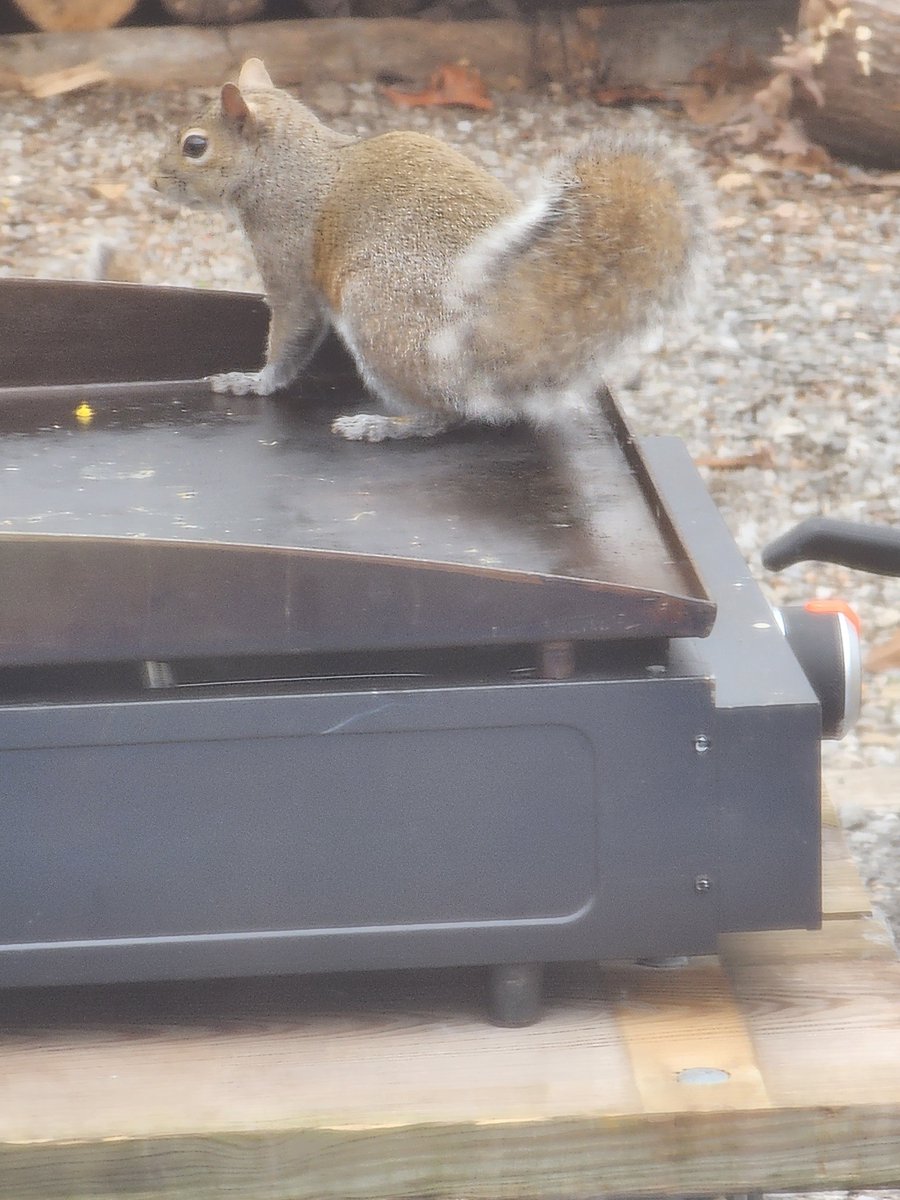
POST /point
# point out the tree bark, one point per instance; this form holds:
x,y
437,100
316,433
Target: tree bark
x,y
860,78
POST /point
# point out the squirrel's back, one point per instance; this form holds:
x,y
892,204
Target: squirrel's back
x,y
403,206
547,299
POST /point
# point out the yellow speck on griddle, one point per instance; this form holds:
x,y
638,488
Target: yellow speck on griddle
x,y
84,414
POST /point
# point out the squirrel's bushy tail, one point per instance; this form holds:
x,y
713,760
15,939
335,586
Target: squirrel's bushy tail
x,y
615,242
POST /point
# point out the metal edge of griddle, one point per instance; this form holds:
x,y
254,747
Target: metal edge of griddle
x,y
478,570
655,497
84,333
305,600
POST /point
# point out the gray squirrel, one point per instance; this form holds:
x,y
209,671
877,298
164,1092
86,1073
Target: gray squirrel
x,y
457,300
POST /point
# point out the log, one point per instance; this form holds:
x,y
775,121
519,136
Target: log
x,y
213,12
63,16
652,44
859,75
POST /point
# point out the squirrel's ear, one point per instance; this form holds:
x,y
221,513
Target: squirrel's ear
x,y
254,76
235,107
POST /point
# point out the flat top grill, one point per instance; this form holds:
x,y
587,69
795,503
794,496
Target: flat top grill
x,y
151,519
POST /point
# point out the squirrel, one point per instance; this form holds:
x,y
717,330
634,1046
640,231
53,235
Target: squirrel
x,y
457,300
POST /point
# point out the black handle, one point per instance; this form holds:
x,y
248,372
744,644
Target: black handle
x,y
874,548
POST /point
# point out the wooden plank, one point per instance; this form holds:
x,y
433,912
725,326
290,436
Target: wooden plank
x,y
576,1157
844,894
687,1039
655,44
362,1086
858,938
843,891
355,1052
869,788
819,1040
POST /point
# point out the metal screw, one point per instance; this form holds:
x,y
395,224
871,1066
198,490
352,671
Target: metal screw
x,y
702,884
702,743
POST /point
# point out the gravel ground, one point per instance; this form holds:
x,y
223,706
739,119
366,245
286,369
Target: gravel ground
x,y
795,359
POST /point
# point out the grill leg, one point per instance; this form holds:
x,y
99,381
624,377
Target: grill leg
x,y
515,993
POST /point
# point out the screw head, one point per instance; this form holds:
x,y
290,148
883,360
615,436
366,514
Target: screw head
x,y
702,743
702,884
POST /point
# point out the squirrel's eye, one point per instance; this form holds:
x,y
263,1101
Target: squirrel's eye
x,y
194,145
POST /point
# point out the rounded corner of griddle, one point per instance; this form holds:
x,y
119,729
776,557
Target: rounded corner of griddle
x,y
301,542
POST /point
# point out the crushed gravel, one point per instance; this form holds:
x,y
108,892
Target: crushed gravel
x,y
794,360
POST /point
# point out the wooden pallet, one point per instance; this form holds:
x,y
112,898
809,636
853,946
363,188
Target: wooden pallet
x,y
393,1085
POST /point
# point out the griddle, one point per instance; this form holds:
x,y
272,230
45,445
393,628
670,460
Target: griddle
x,y
273,702
189,523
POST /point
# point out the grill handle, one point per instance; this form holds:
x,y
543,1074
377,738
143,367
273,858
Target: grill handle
x,y
874,548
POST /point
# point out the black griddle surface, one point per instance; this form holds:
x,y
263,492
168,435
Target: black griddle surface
x,y
157,519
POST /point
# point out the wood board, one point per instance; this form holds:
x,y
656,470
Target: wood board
x,y
657,44
392,1085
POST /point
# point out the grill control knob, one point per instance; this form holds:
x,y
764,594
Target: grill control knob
x,y
824,636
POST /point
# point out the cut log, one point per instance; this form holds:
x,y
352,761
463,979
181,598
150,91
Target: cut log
x,y
859,75
655,44
213,12
63,16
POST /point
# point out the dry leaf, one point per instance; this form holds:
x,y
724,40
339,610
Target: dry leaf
x,y
818,13
756,164
777,96
715,108
796,217
109,191
813,162
885,655
763,117
757,126
739,462
72,79
455,84
622,97
890,179
723,86
791,140
733,181
797,64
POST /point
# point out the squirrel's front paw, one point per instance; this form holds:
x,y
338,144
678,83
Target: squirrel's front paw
x,y
243,383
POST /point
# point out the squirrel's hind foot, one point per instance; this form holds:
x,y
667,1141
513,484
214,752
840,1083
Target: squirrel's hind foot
x,y
375,427
245,383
